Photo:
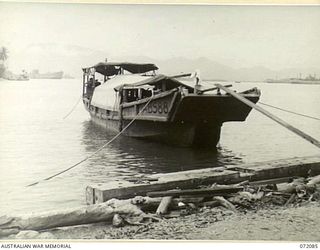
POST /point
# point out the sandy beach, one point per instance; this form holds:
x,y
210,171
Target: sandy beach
x,y
272,223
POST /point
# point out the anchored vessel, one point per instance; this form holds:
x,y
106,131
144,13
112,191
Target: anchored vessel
x,y
14,77
164,108
307,80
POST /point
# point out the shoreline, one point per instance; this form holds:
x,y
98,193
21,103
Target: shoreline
x,y
212,212
269,223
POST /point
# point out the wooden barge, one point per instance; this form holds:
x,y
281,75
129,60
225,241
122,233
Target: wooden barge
x,y
162,107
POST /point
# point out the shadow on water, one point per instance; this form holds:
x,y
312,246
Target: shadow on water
x,y
128,155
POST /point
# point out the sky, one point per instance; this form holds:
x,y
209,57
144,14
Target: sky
x,y
275,37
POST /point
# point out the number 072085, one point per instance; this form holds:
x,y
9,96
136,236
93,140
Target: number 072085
x,y
309,246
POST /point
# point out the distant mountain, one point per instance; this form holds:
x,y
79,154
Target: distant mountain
x,y
71,58
210,69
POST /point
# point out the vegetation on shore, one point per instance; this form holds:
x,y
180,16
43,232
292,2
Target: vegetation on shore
x,y
3,57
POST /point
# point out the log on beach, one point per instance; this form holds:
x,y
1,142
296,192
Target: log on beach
x,y
103,212
81,215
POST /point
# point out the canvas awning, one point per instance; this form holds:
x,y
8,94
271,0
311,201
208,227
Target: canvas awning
x,y
112,68
105,95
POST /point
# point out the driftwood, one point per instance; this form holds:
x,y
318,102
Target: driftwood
x,y
82,215
148,204
291,199
270,181
290,187
242,183
118,221
164,205
225,203
249,196
314,180
130,211
189,199
197,192
172,214
214,203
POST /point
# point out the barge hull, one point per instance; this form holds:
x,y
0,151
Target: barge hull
x,y
183,134
188,121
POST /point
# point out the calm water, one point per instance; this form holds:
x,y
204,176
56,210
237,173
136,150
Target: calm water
x,y
35,142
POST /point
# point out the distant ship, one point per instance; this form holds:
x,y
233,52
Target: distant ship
x,y
67,76
14,77
308,80
49,75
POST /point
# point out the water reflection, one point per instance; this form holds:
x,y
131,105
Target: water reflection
x,y
128,156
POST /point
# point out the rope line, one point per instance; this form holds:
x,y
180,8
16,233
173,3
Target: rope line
x,y
282,109
98,150
73,108
289,111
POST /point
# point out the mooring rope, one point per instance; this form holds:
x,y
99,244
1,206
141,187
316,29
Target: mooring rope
x,y
73,108
282,109
95,152
289,111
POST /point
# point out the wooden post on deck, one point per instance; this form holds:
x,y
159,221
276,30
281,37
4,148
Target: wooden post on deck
x,y
83,83
271,116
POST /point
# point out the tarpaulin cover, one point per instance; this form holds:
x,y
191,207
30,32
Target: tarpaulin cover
x,y
105,95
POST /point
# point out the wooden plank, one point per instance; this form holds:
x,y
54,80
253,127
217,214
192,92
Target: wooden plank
x,y
196,192
214,88
182,180
193,178
297,166
182,75
271,116
270,181
225,203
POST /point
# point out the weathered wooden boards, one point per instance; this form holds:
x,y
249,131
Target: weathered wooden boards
x,y
182,180
194,178
297,166
196,192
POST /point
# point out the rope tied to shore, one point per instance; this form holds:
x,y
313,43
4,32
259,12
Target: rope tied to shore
x,y
95,152
265,104
73,108
289,111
